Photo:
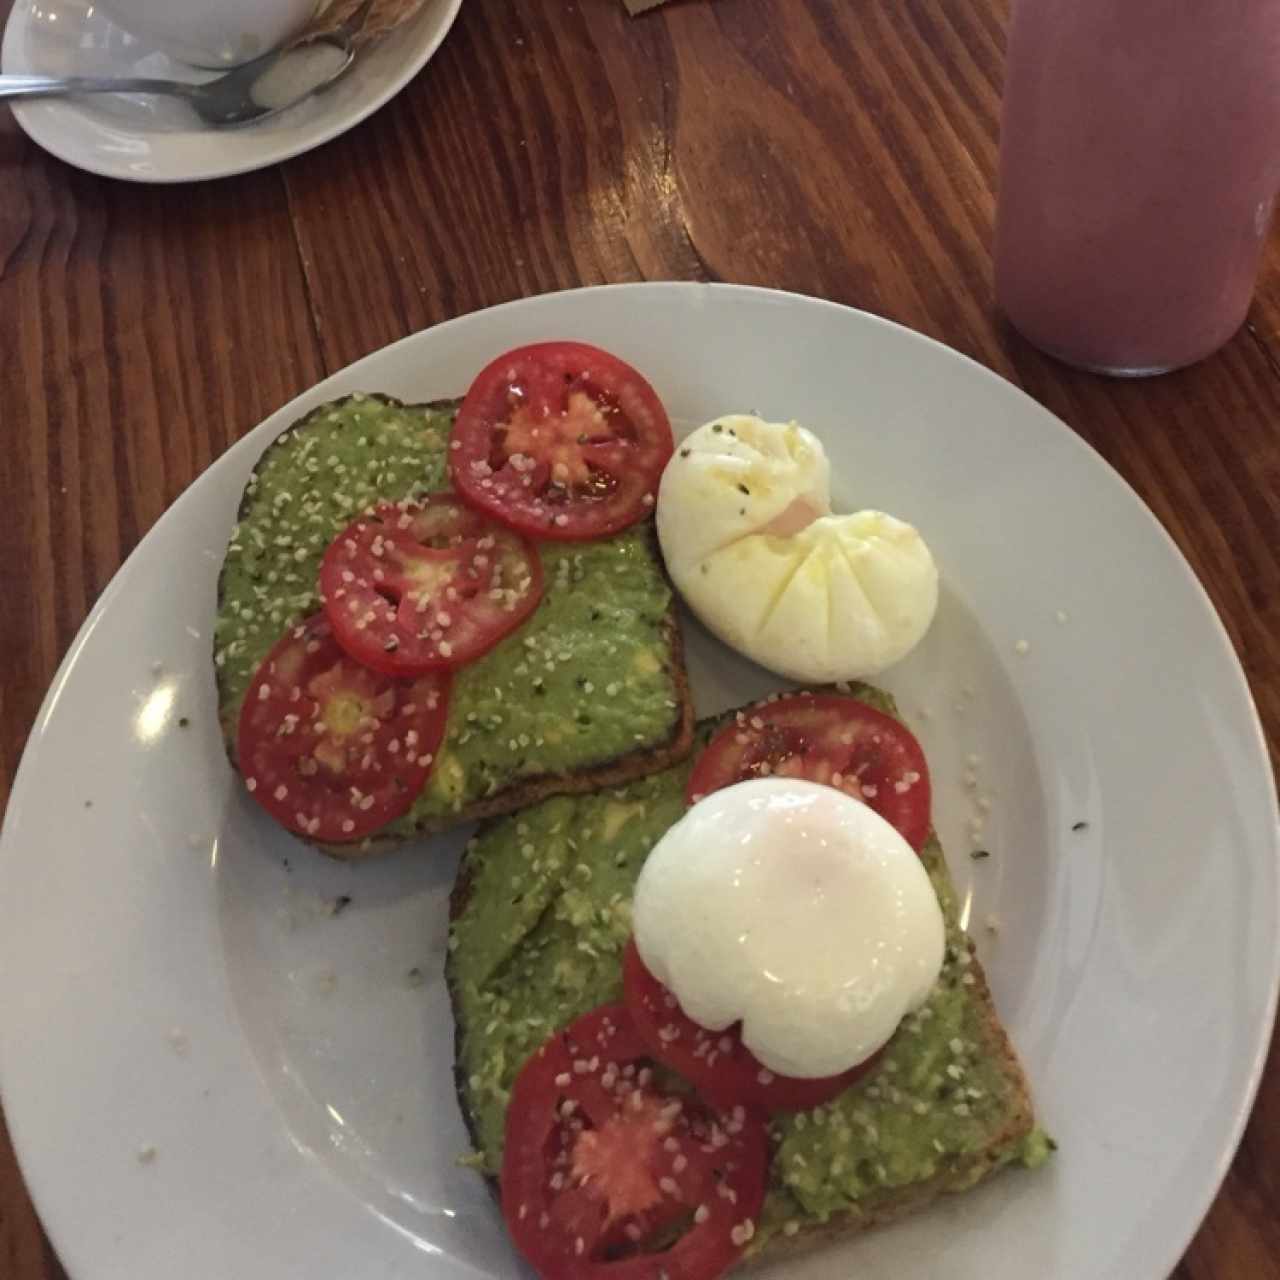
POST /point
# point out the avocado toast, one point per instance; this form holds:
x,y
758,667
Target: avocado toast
x,y
540,916
590,691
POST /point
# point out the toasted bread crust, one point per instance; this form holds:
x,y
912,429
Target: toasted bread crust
x,y
243,510
977,1168
981,1165
524,791
996,1045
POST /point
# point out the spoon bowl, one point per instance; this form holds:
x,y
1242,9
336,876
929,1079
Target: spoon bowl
x,y
264,87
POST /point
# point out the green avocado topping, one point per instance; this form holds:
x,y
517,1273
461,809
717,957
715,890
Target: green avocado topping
x,y
586,679
539,941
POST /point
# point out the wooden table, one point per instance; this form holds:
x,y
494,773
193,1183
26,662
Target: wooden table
x,y
842,150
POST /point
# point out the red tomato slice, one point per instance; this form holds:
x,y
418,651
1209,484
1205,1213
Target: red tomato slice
x,y
561,440
602,1170
415,587
717,1063
330,749
829,738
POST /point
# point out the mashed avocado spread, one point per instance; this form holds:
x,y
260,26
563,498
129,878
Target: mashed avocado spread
x,y
540,941
586,679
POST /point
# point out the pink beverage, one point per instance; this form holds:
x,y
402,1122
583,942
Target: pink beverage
x,y
1139,160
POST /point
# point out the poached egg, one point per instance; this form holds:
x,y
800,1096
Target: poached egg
x,y
747,532
797,910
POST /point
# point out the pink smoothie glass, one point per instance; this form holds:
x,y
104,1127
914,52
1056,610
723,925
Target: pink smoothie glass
x,y
1140,157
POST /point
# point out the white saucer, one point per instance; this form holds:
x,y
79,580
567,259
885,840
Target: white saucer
x,y
146,139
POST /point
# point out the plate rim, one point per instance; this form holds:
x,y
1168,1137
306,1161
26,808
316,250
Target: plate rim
x,y
33,118
1230,1139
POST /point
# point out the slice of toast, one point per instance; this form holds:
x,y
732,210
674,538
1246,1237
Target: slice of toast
x,y
540,913
590,691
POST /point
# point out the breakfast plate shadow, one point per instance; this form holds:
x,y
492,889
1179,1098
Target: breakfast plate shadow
x,y
257,1057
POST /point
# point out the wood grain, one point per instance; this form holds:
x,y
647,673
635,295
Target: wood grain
x,y
153,327
846,151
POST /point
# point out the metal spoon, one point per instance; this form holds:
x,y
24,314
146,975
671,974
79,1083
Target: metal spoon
x,y
269,84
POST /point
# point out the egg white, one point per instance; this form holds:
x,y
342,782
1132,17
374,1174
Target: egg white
x,y
744,519
797,910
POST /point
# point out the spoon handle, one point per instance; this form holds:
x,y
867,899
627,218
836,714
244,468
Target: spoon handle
x,y
66,86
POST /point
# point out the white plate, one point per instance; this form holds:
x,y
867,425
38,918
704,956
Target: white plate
x,y
310,1128
148,139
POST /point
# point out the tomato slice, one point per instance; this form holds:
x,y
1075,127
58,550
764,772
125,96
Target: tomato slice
x,y
830,738
717,1063
561,440
421,586
606,1176
330,749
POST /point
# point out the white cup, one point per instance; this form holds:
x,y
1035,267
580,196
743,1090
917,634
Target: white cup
x,y
212,33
